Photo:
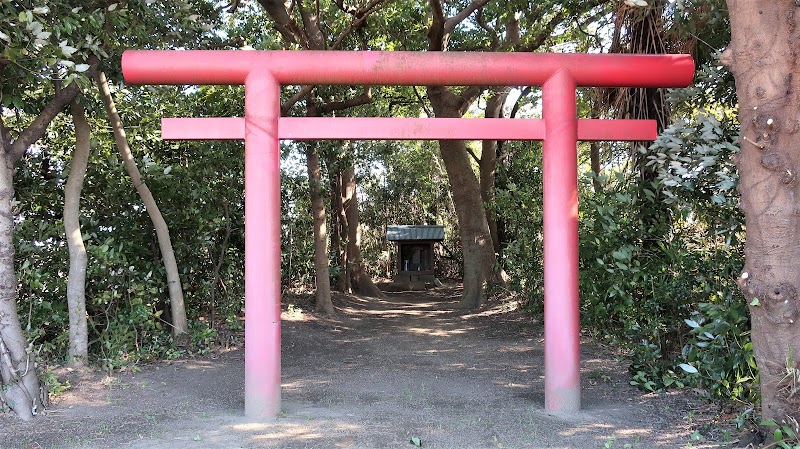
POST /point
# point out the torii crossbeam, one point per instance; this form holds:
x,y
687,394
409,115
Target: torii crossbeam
x,y
263,73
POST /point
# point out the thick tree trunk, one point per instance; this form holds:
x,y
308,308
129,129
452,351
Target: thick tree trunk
x,y
76,280
359,279
177,308
763,55
20,387
476,239
323,280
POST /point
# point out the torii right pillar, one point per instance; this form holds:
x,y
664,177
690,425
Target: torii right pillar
x,y
561,306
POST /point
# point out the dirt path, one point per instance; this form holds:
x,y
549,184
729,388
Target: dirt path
x,y
380,374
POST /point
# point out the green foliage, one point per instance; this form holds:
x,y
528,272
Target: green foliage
x,y
719,354
53,384
641,289
518,201
785,435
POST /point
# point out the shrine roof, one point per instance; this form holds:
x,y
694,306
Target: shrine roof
x,y
396,233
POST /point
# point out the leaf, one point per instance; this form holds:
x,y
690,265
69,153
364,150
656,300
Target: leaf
x,y
41,10
688,368
68,50
81,67
5,37
619,255
416,441
691,323
113,6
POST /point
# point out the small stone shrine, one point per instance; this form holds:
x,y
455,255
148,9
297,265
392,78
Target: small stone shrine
x,y
415,243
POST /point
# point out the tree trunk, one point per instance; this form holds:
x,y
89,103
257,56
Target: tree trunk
x,y
359,279
177,308
20,387
476,239
223,250
339,235
488,163
487,168
323,280
763,57
76,280
594,160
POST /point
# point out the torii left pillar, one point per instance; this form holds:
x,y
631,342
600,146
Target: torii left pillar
x,y
262,244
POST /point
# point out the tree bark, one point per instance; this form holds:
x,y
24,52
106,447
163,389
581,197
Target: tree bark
x,y
323,280
359,279
763,56
594,160
339,234
177,307
20,386
76,280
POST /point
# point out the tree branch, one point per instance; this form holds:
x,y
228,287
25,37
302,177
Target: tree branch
x,y
466,97
517,104
283,22
348,10
422,102
38,127
451,23
472,154
437,38
554,21
364,98
302,93
361,16
488,28
314,35
5,136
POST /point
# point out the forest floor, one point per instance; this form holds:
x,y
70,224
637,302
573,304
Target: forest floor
x,y
379,374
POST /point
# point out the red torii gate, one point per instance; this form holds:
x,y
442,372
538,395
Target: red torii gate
x,y
263,73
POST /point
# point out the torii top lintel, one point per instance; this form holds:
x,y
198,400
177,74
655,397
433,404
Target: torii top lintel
x,y
405,68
